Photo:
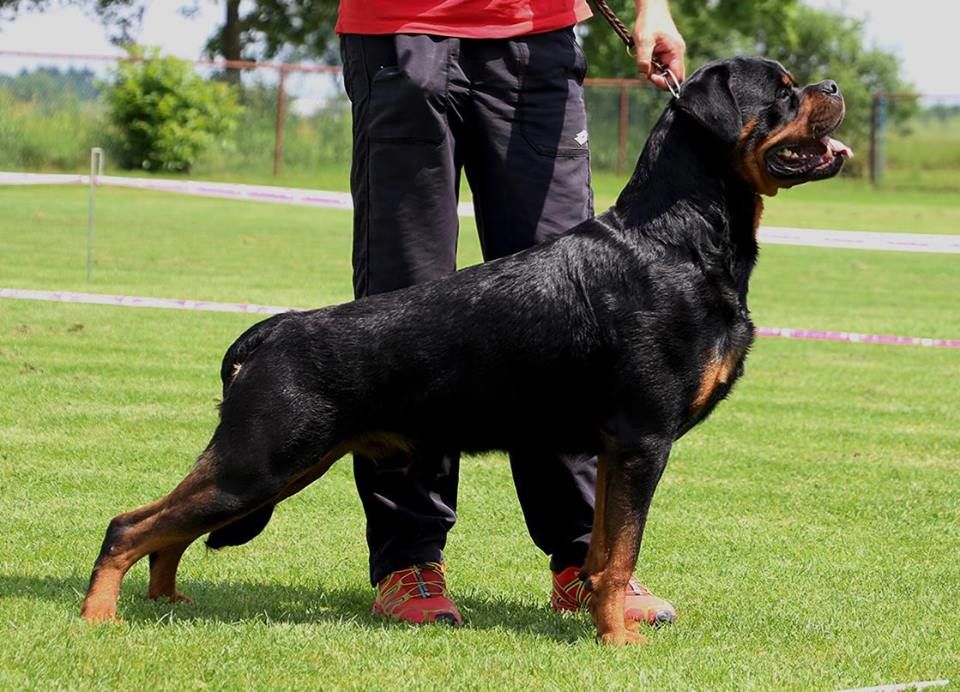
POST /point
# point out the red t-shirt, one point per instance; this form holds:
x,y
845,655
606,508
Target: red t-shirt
x,y
460,18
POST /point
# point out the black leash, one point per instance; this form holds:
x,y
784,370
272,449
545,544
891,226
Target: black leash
x,y
621,30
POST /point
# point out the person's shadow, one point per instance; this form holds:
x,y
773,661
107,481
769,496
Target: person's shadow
x,y
244,601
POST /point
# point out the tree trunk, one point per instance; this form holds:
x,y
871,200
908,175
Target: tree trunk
x,y
230,39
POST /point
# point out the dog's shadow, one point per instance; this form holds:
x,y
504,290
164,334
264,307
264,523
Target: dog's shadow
x,y
244,601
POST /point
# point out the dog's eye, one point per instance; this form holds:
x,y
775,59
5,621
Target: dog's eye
x,y
784,93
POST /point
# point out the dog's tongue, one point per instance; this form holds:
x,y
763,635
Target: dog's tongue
x,y
837,147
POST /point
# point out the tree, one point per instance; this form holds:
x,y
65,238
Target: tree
x,y
122,17
286,29
164,115
291,30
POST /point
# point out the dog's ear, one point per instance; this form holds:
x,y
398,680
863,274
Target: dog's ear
x,y
708,98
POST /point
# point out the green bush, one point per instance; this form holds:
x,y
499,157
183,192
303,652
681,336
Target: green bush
x,y
164,115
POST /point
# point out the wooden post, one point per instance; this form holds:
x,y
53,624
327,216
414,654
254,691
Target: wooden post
x,y
874,126
624,127
281,121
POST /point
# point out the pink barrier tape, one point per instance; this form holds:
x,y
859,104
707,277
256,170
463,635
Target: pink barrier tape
x,y
857,240
854,338
251,308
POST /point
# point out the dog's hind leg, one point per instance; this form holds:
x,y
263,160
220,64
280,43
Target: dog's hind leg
x,y
163,529
216,494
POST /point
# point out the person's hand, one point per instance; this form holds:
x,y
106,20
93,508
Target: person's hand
x,y
657,38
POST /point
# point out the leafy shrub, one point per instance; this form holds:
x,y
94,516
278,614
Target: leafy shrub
x,y
164,115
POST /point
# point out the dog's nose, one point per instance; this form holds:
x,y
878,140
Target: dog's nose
x,y
829,87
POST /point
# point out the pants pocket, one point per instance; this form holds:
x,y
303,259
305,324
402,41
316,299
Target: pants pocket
x,y
402,110
551,109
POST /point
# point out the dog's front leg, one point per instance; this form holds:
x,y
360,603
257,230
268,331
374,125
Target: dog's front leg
x,y
626,479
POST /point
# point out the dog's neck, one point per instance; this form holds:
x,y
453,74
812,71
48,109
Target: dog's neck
x,y
685,194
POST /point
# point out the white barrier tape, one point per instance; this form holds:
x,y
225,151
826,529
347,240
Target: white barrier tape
x,y
42,179
252,308
858,240
139,302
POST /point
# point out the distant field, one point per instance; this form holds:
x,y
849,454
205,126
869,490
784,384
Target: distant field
x,y
808,532
926,154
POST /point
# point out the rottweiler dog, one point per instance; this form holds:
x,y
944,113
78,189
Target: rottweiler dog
x,y
614,340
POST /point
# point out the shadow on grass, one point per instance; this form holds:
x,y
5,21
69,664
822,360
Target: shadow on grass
x,y
244,601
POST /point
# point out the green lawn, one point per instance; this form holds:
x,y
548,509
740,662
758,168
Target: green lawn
x,y
807,533
840,204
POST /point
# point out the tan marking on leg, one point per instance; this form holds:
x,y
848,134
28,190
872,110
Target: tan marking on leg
x,y
377,445
163,573
612,555
607,606
373,445
100,604
597,552
757,213
717,371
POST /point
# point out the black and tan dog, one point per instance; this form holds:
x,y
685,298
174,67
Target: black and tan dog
x,y
613,340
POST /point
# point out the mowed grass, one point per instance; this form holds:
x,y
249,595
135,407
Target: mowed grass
x,y
808,532
839,204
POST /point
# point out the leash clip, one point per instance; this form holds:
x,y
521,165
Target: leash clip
x,y
674,86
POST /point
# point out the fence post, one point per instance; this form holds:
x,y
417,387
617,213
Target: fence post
x,y
281,121
96,171
624,125
874,126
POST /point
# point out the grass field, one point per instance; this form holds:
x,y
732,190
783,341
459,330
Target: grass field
x,y
808,532
850,204
926,155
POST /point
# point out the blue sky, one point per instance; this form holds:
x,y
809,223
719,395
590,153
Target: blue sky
x,y
921,32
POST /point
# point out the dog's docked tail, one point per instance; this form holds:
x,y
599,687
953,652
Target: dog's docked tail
x,y
245,345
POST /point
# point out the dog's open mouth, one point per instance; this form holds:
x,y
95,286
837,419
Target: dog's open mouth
x,y
810,159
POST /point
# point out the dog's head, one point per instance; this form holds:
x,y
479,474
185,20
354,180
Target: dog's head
x,y
778,131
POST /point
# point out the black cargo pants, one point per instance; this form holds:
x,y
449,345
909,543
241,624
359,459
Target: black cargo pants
x,y
510,114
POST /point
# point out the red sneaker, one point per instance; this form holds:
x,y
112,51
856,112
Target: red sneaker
x,y
417,595
570,594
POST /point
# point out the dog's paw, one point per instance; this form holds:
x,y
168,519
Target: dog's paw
x,y
622,637
175,597
100,613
